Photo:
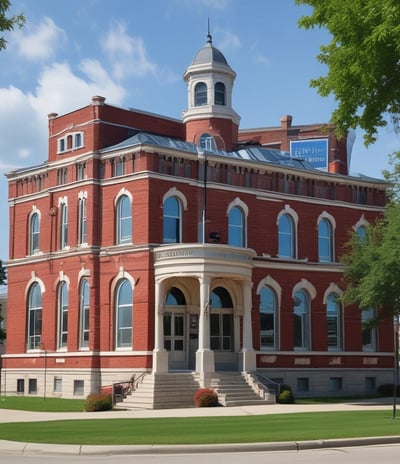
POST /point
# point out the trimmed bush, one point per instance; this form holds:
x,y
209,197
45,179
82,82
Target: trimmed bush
x,y
205,398
285,396
387,389
98,402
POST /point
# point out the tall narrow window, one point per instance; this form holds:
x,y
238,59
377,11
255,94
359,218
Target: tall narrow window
x,y
78,140
34,234
64,226
200,94
84,314
62,314
368,330
286,237
301,321
219,93
119,166
221,320
34,317
334,320
172,220
268,309
325,242
124,306
82,221
124,220
236,227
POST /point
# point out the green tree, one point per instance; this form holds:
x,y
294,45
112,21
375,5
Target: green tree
x,y
7,22
3,280
372,265
363,60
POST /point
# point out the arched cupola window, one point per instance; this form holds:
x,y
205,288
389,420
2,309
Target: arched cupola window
x,y
219,94
200,94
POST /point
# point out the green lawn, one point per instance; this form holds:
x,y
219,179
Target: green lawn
x,y
34,403
206,430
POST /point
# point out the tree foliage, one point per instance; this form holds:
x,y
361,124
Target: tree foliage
x,y
363,60
8,22
372,262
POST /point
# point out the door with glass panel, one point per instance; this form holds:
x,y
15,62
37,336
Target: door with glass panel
x,y
174,340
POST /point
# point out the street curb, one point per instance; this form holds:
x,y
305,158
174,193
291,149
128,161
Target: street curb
x,y
24,449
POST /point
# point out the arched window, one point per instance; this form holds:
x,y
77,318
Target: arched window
x,y
82,221
34,317
219,93
172,220
236,227
124,220
301,321
175,297
200,94
221,320
84,299
286,237
325,241
207,142
64,226
62,314
369,338
123,317
268,319
334,320
34,234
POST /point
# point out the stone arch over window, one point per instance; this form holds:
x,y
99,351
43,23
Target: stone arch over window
x,y
34,221
361,223
306,285
200,94
287,222
34,315
174,192
123,308
237,223
123,220
333,288
326,237
270,282
32,280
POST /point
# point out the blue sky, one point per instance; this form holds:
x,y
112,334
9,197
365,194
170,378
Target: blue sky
x,y
134,53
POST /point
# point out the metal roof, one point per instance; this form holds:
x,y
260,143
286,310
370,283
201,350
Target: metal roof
x,y
258,154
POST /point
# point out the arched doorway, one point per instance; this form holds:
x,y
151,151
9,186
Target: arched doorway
x,y
222,330
180,331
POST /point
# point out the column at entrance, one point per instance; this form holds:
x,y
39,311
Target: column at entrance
x,y
160,355
204,356
248,360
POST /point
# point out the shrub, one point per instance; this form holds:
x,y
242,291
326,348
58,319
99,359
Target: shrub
x,y
285,396
205,398
387,389
98,402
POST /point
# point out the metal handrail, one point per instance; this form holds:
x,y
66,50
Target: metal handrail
x,y
267,383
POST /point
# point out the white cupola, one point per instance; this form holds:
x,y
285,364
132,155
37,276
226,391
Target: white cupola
x,y
210,81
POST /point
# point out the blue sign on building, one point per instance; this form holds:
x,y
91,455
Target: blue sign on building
x,y
314,151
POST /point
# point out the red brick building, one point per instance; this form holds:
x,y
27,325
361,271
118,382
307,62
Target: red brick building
x,y
147,244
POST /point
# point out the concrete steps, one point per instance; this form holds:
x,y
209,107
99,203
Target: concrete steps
x,y
176,390
235,389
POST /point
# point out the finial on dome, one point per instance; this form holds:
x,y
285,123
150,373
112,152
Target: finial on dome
x,y
209,38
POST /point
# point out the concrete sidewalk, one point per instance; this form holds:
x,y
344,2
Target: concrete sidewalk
x,y
18,448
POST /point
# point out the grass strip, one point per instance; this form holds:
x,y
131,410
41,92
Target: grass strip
x,y
206,430
32,403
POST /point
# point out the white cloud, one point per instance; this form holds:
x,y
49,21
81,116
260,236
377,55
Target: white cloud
x,y
39,42
60,90
127,54
227,40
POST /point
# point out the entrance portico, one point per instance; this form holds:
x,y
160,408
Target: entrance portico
x,y
202,294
